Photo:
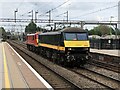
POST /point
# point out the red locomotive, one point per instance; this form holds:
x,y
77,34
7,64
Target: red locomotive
x,y
32,41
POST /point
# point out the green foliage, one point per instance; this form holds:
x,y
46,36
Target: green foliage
x,y
118,31
95,31
39,29
86,30
101,30
31,28
3,33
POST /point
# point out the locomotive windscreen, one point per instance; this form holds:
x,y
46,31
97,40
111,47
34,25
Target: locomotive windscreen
x,y
76,36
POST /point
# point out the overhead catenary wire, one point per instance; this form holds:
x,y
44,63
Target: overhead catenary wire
x,y
56,7
26,12
60,5
95,11
21,3
48,10
61,14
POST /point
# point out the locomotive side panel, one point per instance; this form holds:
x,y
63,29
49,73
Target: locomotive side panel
x,y
32,42
51,41
30,39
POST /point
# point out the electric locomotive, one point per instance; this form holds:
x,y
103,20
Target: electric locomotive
x,y
69,46
32,42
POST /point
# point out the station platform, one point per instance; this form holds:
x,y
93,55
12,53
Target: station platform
x,y
15,72
107,52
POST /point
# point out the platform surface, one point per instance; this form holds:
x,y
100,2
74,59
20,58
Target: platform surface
x,y
14,73
1,66
105,51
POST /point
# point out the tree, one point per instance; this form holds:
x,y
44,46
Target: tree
x,y
101,30
40,29
3,33
86,30
95,31
105,30
31,28
118,32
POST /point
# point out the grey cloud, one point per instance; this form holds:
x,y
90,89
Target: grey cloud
x,y
42,6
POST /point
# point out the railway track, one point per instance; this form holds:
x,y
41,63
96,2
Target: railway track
x,y
97,77
97,63
86,75
106,61
107,66
103,71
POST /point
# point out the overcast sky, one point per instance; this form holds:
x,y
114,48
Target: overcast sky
x,y
78,9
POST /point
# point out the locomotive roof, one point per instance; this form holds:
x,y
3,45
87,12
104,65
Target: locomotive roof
x,y
50,33
32,34
70,29
73,29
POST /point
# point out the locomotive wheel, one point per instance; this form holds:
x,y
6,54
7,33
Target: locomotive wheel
x,y
48,53
61,59
40,51
81,63
28,47
58,59
54,57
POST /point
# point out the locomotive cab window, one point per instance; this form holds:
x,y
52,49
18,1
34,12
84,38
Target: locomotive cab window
x,y
75,36
82,36
70,36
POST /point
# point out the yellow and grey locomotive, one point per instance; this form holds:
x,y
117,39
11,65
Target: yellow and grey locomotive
x,y
67,46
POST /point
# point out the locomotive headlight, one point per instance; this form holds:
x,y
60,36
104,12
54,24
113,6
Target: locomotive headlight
x,y
69,48
86,49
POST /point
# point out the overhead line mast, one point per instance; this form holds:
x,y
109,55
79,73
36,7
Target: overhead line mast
x,y
49,11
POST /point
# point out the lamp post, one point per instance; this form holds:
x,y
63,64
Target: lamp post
x,y
67,15
110,24
31,13
114,31
15,14
49,16
36,16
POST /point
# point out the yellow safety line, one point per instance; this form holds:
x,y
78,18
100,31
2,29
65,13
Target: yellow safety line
x,y
7,81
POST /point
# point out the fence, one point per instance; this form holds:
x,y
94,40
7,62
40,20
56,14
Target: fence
x,y
105,43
